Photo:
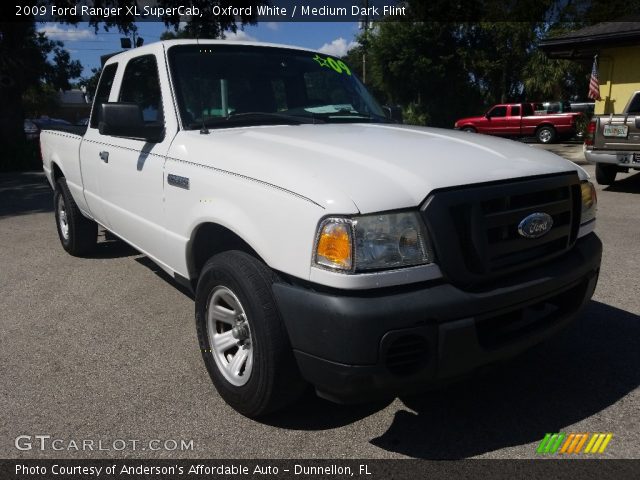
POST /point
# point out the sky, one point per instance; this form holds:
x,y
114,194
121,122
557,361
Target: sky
x,y
87,47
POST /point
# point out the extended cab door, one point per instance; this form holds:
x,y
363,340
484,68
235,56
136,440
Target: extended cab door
x,y
513,121
92,167
133,169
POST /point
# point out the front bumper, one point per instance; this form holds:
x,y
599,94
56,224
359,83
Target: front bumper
x,y
354,345
627,159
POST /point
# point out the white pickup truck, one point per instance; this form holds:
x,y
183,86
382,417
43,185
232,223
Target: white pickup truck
x,y
324,244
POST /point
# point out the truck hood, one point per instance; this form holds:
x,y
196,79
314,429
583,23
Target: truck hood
x,y
374,167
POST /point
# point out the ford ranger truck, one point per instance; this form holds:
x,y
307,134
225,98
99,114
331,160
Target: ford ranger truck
x,y
613,142
520,120
324,245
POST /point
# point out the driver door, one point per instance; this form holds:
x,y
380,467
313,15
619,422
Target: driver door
x,y
497,120
133,171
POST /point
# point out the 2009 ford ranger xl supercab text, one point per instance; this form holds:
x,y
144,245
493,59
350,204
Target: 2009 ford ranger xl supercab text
x,y
325,246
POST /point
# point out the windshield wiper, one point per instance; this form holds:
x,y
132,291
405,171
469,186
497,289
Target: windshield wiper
x,y
345,114
254,118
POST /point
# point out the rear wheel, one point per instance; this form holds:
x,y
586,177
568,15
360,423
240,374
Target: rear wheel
x,y
546,134
243,340
606,174
78,235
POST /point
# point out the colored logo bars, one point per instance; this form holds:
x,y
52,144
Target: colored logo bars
x,y
573,443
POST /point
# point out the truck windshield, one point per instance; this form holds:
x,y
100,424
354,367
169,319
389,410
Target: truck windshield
x,y
234,85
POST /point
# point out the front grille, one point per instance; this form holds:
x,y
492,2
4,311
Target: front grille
x,y
494,331
475,229
407,354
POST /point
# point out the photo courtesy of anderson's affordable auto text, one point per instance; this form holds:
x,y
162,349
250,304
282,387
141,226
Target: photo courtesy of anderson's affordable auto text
x,y
383,239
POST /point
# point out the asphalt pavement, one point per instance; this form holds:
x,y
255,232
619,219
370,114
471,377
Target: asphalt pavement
x,y
104,348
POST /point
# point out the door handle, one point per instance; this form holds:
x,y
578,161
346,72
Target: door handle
x,y
104,156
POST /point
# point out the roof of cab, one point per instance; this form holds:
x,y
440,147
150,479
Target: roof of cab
x,y
158,47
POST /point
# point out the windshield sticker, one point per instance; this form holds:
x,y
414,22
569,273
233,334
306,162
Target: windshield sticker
x,y
338,65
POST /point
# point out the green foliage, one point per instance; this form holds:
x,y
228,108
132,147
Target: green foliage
x,y
414,115
439,72
418,66
21,155
39,99
31,65
91,82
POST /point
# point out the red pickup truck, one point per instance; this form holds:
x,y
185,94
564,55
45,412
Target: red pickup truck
x,y
519,120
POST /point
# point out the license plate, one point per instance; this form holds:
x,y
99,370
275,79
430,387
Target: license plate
x,y
616,130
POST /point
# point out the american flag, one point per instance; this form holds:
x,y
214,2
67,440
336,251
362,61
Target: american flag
x,y
594,86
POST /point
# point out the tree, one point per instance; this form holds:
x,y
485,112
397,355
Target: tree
x,y
40,99
418,66
23,53
31,68
91,82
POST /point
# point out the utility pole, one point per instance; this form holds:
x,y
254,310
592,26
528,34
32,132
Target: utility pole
x,y
364,25
133,42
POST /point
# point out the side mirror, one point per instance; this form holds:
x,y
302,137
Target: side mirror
x,y
487,116
393,113
120,119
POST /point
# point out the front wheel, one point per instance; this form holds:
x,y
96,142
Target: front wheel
x,y
243,340
546,134
78,235
606,174
469,129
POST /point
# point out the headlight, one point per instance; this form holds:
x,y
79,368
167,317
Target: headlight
x,y
589,202
372,242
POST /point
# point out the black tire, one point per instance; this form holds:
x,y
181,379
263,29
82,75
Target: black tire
x,y
274,380
81,233
469,129
546,134
606,174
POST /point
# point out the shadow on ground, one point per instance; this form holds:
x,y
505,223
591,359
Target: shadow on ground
x,y
567,379
151,265
24,193
571,377
110,246
626,185
314,413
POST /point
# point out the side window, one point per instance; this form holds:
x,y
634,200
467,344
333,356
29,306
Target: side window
x,y
141,85
498,112
102,92
634,106
527,110
515,111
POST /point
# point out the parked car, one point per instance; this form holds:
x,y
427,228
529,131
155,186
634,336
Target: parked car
x,y
31,130
324,244
519,120
613,142
45,122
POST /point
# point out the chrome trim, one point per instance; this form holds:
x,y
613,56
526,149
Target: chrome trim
x,y
381,279
587,228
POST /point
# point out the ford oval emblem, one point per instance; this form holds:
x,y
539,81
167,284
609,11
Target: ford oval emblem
x,y
535,225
